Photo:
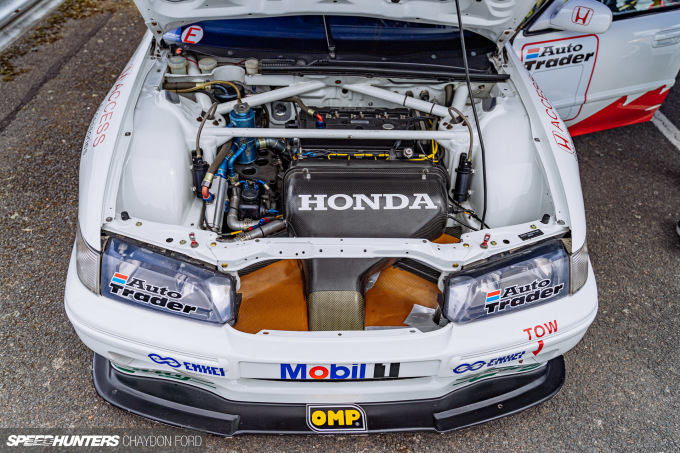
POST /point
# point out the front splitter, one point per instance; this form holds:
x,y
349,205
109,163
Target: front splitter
x,y
186,406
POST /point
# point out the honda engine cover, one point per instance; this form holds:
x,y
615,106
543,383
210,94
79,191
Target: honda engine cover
x,y
366,199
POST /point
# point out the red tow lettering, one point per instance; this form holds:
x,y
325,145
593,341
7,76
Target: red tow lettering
x,y
540,346
540,330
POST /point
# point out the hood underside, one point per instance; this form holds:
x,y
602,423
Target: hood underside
x,y
489,18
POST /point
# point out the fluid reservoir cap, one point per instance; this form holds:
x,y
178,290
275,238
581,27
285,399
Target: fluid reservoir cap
x,y
177,65
250,195
242,108
206,65
252,66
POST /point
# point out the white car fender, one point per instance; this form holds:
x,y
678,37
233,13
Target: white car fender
x,y
561,165
105,145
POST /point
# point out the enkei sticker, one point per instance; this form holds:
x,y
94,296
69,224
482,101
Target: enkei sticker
x,y
465,367
189,366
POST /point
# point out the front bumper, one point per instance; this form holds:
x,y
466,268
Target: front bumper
x,y
187,406
230,377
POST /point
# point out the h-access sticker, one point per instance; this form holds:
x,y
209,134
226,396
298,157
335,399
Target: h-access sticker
x,y
336,418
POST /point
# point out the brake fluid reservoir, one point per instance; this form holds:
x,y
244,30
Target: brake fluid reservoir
x,y
243,116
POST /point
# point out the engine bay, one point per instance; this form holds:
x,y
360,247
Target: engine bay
x,y
232,150
252,180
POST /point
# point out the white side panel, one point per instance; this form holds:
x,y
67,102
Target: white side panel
x,y
558,156
104,141
515,183
156,183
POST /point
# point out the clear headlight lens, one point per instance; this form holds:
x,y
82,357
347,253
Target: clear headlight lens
x,y
87,264
579,268
142,277
530,278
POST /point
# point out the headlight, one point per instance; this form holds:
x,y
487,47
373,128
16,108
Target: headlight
x,y
139,276
527,279
87,263
579,268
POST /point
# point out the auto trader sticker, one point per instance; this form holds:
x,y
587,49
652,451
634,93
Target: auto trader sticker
x,y
138,290
336,419
574,58
516,295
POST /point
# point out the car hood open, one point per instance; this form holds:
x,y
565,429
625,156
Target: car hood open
x,y
493,19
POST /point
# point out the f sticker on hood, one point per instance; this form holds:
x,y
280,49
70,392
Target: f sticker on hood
x,y
192,34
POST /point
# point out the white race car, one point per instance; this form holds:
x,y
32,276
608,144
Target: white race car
x,y
306,216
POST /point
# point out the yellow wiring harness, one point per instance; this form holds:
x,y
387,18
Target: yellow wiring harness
x,y
374,156
207,84
435,148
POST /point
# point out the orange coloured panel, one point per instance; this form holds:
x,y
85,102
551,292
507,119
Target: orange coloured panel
x,y
392,297
273,299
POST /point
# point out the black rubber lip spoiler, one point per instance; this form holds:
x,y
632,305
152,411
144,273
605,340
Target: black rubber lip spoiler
x,y
186,406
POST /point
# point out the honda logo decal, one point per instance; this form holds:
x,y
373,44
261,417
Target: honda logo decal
x,y
582,15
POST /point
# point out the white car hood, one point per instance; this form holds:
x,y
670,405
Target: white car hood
x,y
489,18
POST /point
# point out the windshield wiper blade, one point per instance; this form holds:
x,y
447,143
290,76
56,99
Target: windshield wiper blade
x,y
329,38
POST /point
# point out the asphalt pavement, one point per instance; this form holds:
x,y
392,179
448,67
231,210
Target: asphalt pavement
x,y
621,391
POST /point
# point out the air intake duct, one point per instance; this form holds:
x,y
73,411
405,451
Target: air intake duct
x,y
345,199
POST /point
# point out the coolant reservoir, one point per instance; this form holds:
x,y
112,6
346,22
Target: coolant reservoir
x,y
206,65
252,66
177,65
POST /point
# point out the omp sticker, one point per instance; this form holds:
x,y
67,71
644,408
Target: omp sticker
x,y
336,418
